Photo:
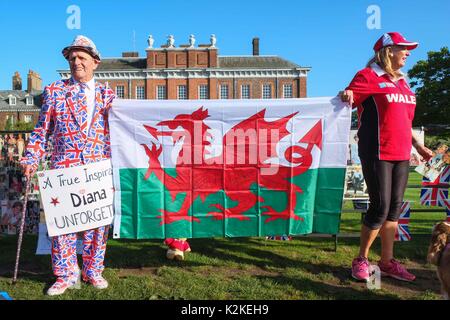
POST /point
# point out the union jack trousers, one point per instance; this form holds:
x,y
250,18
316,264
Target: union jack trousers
x,y
402,233
64,254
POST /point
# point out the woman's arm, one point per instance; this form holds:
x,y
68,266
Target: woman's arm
x,y
426,153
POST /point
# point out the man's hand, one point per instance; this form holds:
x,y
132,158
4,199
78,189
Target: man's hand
x,y
28,171
346,96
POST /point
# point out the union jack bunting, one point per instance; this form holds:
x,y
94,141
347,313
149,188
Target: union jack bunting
x,y
402,233
435,193
434,197
283,238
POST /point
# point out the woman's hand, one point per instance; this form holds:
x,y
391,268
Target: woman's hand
x,y
424,152
346,96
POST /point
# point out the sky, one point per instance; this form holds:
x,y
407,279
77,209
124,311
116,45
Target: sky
x,y
334,38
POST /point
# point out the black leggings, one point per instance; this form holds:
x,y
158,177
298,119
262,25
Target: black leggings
x,y
386,182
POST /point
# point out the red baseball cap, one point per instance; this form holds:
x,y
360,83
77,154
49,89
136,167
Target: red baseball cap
x,y
394,38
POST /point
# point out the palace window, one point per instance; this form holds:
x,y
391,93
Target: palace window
x,y
161,93
120,92
140,93
287,91
12,100
182,93
267,91
224,91
245,91
30,101
203,92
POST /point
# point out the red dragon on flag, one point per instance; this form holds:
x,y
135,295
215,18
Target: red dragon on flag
x,y
241,164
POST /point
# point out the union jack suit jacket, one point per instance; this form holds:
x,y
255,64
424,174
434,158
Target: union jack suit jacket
x,y
62,116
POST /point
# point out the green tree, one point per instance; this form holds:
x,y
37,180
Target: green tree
x,y
9,126
431,80
24,126
18,126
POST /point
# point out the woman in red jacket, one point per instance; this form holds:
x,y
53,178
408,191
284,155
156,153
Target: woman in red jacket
x,y
386,107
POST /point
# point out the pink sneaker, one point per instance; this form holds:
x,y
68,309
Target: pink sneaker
x,y
360,269
395,270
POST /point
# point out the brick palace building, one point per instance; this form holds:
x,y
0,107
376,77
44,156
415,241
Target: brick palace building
x,y
199,72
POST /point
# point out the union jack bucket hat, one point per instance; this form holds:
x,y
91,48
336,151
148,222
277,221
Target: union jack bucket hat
x,y
82,43
393,38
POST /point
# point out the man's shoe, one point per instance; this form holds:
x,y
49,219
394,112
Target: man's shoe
x,y
360,269
98,282
62,284
395,270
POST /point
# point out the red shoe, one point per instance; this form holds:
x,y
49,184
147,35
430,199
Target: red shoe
x,y
395,270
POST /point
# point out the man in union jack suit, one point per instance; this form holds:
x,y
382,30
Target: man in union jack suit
x,y
75,114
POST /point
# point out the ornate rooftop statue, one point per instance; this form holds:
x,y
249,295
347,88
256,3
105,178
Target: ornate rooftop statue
x,y
191,41
213,40
170,41
150,42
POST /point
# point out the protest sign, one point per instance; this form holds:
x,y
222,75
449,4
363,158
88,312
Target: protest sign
x,y
78,198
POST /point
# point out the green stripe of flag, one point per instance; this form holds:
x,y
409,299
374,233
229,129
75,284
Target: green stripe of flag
x,y
319,205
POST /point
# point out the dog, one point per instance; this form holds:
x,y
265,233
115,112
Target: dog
x,y
439,255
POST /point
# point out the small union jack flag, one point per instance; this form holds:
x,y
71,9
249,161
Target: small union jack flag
x,y
445,176
443,179
402,233
435,193
434,196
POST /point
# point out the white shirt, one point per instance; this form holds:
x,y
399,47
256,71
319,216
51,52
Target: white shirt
x,y
90,100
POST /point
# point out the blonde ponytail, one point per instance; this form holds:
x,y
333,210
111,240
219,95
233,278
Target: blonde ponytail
x,y
382,59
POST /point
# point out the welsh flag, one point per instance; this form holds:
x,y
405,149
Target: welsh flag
x,y
228,168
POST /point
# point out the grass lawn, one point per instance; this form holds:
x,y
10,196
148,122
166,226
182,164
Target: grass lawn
x,y
236,268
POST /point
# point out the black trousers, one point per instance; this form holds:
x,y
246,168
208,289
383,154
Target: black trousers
x,y
386,182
